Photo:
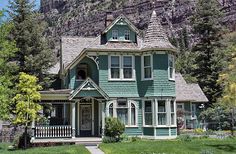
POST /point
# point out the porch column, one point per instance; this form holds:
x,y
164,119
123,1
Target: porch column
x,y
33,130
73,119
64,114
103,118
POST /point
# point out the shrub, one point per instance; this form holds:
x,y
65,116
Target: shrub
x,y
185,138
198,131
114,128
124,138
107,139
19,141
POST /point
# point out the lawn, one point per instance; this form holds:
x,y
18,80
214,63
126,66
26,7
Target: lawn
x,y
196,146
66,149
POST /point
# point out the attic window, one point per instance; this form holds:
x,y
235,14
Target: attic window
x,y
127,35
82,72
115,34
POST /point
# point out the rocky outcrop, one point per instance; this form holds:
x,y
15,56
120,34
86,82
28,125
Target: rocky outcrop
x,y
86,17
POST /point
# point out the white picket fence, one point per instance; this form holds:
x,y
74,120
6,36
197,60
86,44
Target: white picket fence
x,y
53,131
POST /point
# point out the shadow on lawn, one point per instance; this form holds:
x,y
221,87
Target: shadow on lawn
x,y
224,147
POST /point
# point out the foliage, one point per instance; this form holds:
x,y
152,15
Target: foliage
x,y
198,131
184,137
209,56
34,56
26,100
108,139
114,127
7,50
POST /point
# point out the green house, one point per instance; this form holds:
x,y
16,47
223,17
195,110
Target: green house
x,y
120,73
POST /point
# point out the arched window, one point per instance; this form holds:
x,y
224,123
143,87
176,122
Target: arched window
x,y
82,72
125,111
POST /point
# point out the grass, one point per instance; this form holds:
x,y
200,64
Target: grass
x,y
66,149
196,146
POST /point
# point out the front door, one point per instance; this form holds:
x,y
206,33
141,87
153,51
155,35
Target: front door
x,y
85,120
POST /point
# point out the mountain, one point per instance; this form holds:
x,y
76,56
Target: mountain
x,y
87,17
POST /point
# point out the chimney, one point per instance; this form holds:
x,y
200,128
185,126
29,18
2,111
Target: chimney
x,y
109,18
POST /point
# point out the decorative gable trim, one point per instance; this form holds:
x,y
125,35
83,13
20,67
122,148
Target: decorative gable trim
x,y
118,19
88,85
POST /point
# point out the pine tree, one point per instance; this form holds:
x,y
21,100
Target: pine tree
x,y
7,68
34,56
208,29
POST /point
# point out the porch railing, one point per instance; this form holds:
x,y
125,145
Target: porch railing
x,y
53,131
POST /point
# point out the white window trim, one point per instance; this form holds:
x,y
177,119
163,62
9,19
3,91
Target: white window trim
x,y
167,112
142,67
143,111
129,111
113,32
175,114
121,69
173,73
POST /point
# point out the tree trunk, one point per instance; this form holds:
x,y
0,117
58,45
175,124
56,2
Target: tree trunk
x,y
25,138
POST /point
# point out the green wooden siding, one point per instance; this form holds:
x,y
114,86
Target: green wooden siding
x,y
162,131
173,131
149,131
121,32
159,86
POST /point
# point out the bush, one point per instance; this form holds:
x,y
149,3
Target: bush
x,y
107,139
19,141
124,138
114,128
198,131
185,138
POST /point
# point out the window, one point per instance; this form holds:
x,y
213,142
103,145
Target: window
x,y
171,69
148,112
161,114
82,72
127,67
125,111
147,67
127,35
193,111
172,112
121,68
115,67
122,111
115,34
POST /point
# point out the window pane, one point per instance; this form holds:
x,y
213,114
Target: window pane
x,y
133,116
127,73
147,61
114,34
122,115
172,106
171,72
127,34
161,106
115,61
161,118
127,61
148,118
148,106
115,73
172,118
147,72
111,110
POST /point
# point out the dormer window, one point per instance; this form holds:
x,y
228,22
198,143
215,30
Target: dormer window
x,y
127,35
115,34
171,68
82,72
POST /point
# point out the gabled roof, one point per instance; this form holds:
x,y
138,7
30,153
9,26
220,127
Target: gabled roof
x,y
155,36
88,85
188,92
130,24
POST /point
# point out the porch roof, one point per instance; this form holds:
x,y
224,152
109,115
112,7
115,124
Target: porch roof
x,y
88,88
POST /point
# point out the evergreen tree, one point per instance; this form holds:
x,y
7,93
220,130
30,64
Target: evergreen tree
x,y
7,68
207,27
34,56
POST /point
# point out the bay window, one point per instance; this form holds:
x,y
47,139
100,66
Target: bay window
x,y
148,112
147,67
121,67
162,114
125,111
172,113
171,69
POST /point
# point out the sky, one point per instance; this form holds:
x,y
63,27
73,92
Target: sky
x,y
4,3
